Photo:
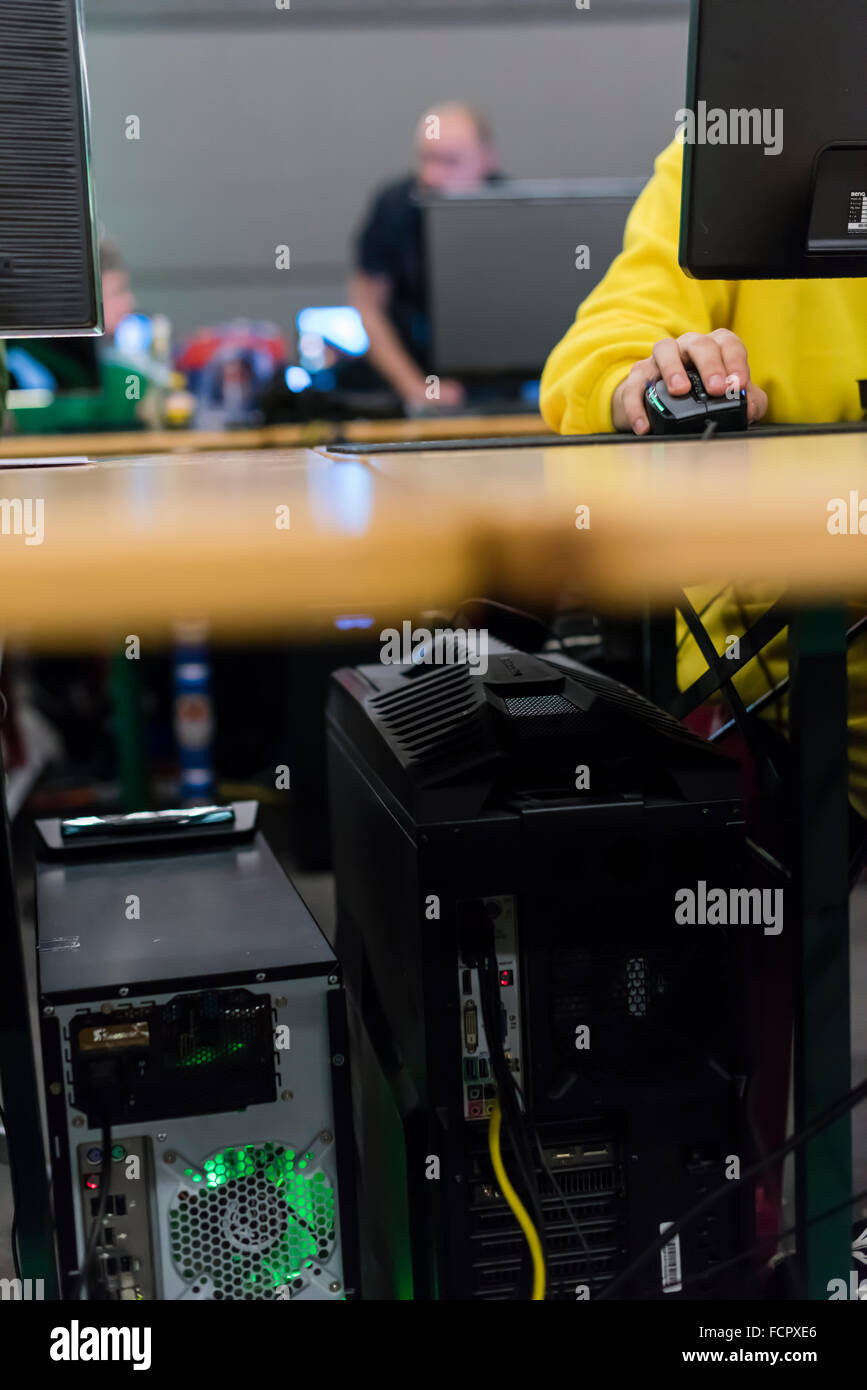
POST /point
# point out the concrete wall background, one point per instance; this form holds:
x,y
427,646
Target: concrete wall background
x,y
254,135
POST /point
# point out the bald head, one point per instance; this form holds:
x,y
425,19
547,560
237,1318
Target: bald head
x,y
454,148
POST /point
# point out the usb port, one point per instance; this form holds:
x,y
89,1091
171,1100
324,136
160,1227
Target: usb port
x,y
109,1206
505,1022
483,1067
108,1236
470,1068
125,1264
111,1265
94,1206
120,1206
466,981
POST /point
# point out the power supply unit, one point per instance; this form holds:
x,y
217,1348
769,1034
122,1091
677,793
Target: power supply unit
x,y
196,1067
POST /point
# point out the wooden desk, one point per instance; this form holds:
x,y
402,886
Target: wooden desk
x,y
132,545
447,427
128,443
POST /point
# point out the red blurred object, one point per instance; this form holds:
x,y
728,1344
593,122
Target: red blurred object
x,y
261,339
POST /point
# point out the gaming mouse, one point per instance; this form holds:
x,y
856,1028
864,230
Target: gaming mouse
x,y
691,414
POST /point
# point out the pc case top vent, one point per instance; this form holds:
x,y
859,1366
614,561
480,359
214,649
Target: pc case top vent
x,y
435,716
630,702
541,716
255,1222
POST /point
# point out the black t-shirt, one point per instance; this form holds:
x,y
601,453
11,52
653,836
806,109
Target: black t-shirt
x,y
391,243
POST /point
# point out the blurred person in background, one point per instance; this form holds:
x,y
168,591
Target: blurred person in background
x,y
454,152
118,299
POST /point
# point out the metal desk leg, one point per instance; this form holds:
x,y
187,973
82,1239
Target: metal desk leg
x,y
823,1168
129,732
659,658
18,1082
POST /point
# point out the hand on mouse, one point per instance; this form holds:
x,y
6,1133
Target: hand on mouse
x,y
718,357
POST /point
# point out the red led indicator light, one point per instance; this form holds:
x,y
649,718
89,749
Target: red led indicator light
x,y
506,977
92,1182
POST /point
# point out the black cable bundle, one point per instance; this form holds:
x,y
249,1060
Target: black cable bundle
x,y
833,1112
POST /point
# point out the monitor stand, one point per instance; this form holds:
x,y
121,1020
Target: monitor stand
x,y
838,218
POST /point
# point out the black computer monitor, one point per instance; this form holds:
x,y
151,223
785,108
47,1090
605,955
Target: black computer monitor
x,y
505,271
784,82
49,273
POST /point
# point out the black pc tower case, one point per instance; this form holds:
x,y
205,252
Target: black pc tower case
x,y
49,253
571,810
196,1069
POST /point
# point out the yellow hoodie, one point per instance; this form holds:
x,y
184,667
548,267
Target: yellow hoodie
x,y
807,347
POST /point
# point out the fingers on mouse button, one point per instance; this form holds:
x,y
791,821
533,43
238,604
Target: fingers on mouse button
x,y
698,386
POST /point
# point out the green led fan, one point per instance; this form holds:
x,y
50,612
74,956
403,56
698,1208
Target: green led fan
x,y
251,1222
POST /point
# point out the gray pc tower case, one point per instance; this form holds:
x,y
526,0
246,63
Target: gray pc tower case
x,y
196,1072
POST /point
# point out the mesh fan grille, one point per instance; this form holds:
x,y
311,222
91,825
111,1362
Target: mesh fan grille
x,y
647,1007
534,706
602,985
544,716
214,1026
255,1225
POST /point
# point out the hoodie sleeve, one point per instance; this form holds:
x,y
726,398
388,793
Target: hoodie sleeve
x,y
644,296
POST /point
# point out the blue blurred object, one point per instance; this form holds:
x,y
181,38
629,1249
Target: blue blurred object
x,y
193,715
530,392
337,326
297,379
348,621
133,335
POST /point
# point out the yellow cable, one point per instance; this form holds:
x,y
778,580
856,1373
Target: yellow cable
x,y
516,1205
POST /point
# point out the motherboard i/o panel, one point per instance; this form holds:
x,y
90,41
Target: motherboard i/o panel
x,y
477,1072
